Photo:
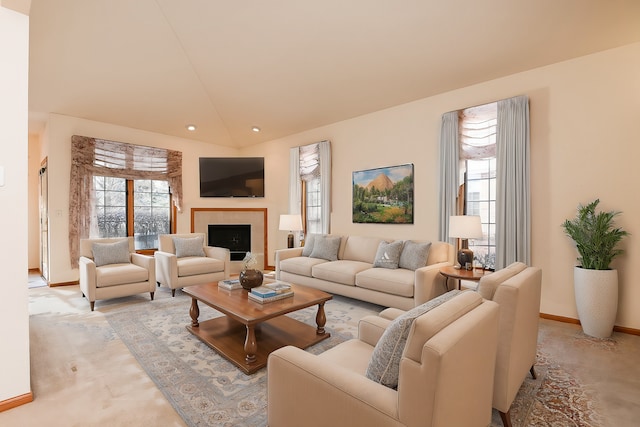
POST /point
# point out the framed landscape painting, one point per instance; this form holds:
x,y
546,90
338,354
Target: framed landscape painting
x,y
383,195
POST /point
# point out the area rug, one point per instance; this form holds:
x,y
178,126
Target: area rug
x,y
207,390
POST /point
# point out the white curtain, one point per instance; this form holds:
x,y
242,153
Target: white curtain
x,y
513,210
325,184
295,187
448,173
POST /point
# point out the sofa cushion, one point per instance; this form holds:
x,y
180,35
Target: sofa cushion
x,y
388,254
414,255
399,282
300,265
308,244
326,247
489,283
361,248
189,246
342,271
191,266
111,253
120,274
384,366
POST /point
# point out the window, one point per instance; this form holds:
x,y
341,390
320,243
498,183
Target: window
x,y
313,207
139,208
478,163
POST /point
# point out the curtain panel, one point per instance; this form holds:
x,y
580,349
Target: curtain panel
x,y
449,159
98,157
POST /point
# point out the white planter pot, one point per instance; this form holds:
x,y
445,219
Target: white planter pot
x,y
597,300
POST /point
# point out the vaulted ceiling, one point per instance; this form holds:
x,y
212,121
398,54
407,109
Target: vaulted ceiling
x,y
291,65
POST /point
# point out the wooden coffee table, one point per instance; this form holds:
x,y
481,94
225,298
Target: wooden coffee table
x,y
249,331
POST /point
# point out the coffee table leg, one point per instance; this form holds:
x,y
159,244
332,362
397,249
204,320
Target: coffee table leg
x,y
194,312
250,345
321,319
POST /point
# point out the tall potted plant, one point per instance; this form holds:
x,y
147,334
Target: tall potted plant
x,y
595,283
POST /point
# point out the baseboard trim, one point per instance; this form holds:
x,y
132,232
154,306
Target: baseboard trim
x,y
623,329
5,405
53,285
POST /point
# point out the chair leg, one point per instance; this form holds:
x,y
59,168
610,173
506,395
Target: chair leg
x,y
173,292
533,372
506,418
152,294
92,304
158,284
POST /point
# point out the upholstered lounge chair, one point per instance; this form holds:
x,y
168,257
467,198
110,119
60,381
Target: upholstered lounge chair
x,y
516,289
110,268
184,260
445,376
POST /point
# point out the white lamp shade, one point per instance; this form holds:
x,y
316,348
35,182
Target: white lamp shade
x,y
291,222
465,227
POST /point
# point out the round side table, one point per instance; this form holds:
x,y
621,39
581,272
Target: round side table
x,y
459,274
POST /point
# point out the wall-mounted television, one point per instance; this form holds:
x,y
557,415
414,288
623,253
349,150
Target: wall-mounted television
x,y
231,176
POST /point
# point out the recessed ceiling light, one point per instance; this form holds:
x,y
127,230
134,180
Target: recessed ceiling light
x,y
255,129
191,128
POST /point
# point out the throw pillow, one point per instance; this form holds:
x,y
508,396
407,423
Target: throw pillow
x,y
414,255
326,247
111,253
308,244
384,366
188,246
388,255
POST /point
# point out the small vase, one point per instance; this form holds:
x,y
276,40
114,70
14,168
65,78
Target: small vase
x,y
250,278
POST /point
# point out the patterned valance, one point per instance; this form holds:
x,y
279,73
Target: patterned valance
x,y
478,132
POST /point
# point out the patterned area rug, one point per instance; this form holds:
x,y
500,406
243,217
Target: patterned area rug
x,y
207,390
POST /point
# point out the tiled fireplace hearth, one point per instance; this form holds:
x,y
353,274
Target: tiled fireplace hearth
x,y
255,218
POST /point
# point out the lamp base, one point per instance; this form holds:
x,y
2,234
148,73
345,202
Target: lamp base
x,y
465,256
290,241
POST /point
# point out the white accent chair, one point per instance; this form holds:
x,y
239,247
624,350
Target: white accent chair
x,y
176,271
445,377
134,274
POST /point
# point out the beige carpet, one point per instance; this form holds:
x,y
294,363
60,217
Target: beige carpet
x,y
84,374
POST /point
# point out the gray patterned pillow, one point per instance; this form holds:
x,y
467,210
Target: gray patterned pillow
x,y
326,247
388,255
308,244
188,246
414,255
384,366
111,253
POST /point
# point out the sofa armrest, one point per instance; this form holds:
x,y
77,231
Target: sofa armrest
x,y
282,254
429,283
301,386
222,254
371,328
87,271
147,262
166,267
391,313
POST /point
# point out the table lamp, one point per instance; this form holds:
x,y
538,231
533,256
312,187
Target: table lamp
x,y
465,227
290,223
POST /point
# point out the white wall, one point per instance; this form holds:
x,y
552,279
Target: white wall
x,y
14,316
584,145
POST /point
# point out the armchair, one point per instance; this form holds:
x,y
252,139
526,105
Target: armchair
x,y
184,260
110,268
445,377
516,289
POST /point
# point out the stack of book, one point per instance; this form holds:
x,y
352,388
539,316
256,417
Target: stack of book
x,y
271,292
230,284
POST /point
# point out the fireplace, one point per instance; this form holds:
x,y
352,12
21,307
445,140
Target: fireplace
x,y
235,237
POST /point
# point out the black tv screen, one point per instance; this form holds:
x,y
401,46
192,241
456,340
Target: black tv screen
x,y
231,176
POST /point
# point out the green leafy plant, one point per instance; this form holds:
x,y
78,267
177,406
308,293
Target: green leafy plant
x,y
595,236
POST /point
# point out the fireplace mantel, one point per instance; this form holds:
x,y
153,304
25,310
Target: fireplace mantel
x,y
256,217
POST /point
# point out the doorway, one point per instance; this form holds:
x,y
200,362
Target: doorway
x,y
44,220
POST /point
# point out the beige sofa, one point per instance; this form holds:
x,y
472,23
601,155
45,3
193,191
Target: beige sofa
x,y
445,376
353,273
